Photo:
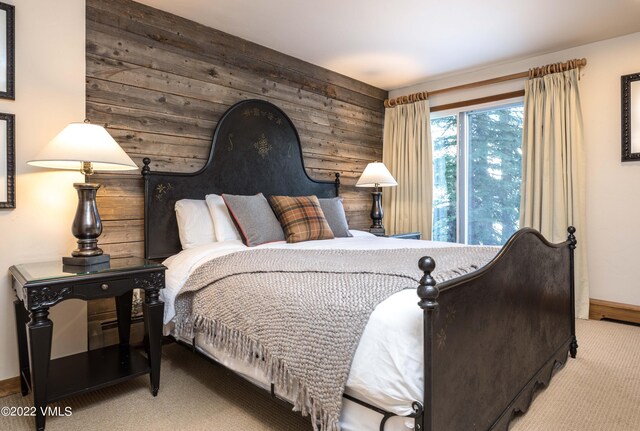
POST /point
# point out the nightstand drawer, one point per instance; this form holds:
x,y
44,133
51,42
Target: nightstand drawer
x,y
103,288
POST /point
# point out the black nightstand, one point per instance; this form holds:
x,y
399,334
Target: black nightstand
x,y
40,286
409,235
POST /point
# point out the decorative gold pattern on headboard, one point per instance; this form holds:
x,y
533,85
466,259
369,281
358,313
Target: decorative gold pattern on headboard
x,y
230,146
161,191
263,146
256,112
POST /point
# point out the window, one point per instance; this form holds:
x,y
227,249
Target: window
x,y
477,168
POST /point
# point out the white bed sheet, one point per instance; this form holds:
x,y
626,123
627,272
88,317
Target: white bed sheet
x,y
387,366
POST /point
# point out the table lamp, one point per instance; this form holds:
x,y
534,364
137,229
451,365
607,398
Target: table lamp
x,y
85,147
376,175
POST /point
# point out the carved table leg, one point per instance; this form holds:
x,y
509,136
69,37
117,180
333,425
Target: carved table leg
x,y
153,313
40,331
123,311
23,351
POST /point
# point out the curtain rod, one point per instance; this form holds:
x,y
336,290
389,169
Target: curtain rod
x,y
535,72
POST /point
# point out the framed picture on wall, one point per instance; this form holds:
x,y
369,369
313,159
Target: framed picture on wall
x,y
630,117
7,161
7,41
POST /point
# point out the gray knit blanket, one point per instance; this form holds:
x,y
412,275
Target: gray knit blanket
x,y
299,314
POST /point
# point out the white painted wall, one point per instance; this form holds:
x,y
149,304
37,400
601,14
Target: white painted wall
x,y
50,92
613,187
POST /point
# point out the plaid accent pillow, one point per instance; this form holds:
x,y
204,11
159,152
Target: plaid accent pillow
x,y
301,218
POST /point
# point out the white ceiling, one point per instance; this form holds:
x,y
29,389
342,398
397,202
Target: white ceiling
x,y
391,44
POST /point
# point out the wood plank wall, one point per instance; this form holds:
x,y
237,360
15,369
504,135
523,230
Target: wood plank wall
x,y
159,83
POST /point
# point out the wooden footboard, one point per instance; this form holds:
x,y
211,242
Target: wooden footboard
x,y
493,336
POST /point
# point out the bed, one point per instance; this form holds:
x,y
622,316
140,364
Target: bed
x,y
485,340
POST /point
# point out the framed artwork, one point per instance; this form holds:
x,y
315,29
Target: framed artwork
x,y
631,117
7,161
7,42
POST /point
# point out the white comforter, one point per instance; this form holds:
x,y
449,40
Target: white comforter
x,y
387,366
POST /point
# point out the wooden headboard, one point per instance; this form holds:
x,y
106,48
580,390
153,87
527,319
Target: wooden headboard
x,y
255,148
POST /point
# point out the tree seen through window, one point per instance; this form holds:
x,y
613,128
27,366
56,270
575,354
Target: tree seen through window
x,y
480,163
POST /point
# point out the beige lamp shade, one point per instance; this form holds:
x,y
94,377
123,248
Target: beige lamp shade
x,y
83,142
376,174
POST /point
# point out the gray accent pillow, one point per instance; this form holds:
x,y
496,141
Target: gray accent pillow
x,y
254,218
334,213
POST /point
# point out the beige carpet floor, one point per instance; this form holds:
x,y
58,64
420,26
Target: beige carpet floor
x,y
600,390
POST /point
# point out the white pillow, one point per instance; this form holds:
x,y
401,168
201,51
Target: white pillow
x,y
223,225
195,226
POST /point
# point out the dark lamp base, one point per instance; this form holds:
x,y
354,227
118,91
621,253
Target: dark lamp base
x,y
85,261
376,214
86,227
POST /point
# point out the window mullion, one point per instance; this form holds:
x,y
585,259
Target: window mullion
x,y
462,180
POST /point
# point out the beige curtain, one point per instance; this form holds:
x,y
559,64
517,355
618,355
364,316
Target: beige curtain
x,y
406,152
553,167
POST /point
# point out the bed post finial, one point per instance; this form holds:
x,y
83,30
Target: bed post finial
x,y
337,182
573,347
428,293
146,169
572,238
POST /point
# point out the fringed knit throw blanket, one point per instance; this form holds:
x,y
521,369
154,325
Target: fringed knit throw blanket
x,y
299,314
